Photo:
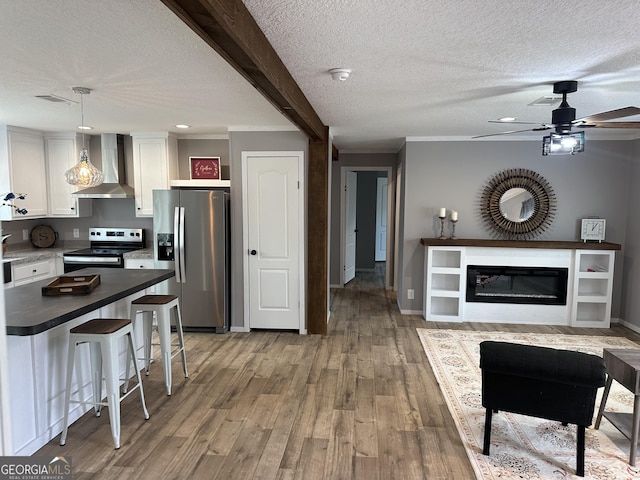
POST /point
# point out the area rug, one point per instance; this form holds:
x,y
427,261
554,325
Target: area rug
x,y
525,447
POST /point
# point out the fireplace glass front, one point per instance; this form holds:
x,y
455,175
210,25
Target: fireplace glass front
x,y
524,285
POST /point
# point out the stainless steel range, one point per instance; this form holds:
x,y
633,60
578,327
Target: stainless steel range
x,y
107,248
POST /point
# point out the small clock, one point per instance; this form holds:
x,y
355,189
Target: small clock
x,y
592,229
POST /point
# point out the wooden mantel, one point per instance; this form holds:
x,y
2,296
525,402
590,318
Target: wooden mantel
x,y
554,244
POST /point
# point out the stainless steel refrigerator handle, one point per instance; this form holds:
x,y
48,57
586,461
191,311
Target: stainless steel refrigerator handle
x,y
176,240
181,247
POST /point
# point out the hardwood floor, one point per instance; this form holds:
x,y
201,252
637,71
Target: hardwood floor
x,y
360,403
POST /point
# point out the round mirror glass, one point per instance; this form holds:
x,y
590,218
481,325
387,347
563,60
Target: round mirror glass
x,y
517,205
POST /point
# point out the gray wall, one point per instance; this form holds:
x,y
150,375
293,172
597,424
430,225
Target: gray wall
x,y
251,142
630,286
596,182
202,148
374,160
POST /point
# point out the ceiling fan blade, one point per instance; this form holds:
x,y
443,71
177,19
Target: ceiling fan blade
x,y
514,123
611,125
610,115
544,127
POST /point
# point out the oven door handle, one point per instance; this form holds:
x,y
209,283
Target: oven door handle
x,y
92,260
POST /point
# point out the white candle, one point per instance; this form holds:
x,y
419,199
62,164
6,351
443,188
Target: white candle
x,y
454,215
443,212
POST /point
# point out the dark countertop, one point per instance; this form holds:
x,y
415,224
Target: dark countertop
x,y
28,312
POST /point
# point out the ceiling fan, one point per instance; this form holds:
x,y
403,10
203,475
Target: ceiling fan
x,y
563,118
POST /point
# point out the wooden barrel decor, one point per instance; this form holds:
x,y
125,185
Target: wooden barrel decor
x,y
542,197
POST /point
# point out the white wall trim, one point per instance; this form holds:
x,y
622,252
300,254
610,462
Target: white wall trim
x,y
271,128
628,325
239,329
203,136
411,312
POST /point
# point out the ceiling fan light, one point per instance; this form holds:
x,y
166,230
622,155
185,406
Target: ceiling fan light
x,y
563,144
507,119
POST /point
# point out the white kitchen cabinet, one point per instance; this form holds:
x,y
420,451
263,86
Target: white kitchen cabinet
x,y
155,164
23,170
62,151
139,263
33,271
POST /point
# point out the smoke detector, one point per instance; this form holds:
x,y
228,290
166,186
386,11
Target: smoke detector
x,y
340,74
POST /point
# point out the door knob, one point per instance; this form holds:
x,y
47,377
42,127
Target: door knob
x,y
253,252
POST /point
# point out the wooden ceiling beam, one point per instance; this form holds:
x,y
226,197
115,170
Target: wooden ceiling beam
x,y
228,27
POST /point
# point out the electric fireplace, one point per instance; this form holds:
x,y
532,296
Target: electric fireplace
x,y
524,285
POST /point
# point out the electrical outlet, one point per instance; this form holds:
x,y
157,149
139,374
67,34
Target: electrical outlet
x,y
76,233
410,294
25,234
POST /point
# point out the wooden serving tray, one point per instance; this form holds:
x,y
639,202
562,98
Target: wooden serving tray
x,y
71,285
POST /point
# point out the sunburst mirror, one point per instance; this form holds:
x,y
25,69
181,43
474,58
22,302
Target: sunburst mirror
x,y
518,204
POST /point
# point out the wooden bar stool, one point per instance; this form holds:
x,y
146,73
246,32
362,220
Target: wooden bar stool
x,y
161,305
103,335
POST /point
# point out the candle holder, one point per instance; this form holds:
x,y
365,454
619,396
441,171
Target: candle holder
x,y
453,229
442,237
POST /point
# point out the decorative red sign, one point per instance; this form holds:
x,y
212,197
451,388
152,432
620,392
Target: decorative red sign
x,y
205,168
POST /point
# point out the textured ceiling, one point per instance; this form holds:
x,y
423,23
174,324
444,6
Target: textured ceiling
x,y
421,68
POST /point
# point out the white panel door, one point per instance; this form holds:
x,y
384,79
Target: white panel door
x,y
381,220
350,227
273,240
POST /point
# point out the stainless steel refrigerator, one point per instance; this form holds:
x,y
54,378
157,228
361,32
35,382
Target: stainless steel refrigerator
x,y
191,236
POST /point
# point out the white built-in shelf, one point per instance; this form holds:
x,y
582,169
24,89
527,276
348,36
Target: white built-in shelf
x,y
590,272
201,183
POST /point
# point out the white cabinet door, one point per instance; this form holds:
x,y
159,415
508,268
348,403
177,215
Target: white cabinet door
x,y
62,154
155,164
23,170
33,271
139,263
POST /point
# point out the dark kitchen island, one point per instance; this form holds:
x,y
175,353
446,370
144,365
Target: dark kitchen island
x,y
28,312
37,345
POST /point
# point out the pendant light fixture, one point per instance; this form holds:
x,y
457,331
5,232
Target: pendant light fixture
x,y
84,173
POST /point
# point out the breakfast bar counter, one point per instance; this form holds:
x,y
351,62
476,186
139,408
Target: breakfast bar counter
x,y
37,344
28,312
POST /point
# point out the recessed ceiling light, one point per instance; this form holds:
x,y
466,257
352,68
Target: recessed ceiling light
x,y
182,125
85,127
507,119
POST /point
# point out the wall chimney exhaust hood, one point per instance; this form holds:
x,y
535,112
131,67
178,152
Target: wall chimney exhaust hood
x,y
113,167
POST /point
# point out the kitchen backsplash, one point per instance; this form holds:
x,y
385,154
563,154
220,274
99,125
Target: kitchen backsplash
x,y
112,212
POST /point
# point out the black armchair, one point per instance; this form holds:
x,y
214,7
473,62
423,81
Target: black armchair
x,y
540,382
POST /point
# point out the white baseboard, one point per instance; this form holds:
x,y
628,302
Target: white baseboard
x,y
238,329
336,286
628,325
411,312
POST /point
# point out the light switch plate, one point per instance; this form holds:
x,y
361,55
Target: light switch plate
x,y
76,233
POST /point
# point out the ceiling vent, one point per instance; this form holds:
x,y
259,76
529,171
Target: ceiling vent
x,y
55,98
545,101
